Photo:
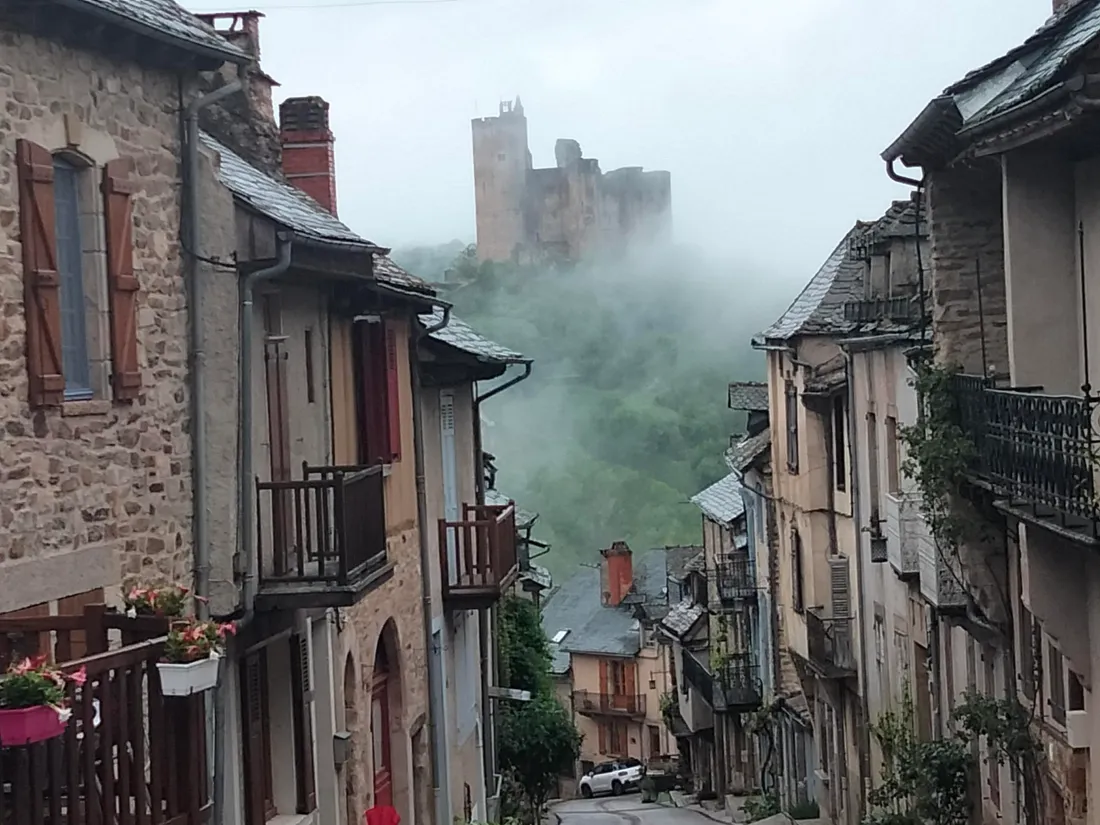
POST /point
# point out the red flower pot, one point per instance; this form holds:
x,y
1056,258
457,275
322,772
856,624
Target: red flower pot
x,y
25,726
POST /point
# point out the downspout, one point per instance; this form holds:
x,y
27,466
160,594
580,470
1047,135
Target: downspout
x,y
434,675
489,618
864,729
192,250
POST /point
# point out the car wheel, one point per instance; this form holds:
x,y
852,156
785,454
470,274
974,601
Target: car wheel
x,y
586,791
616,788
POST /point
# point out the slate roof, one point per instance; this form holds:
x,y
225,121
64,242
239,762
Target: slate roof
x,y
683,617
750,396
742,454
722,500
577,605
677,560
1011,80
163,20
539,576
287,205
559,660
524,518
462,336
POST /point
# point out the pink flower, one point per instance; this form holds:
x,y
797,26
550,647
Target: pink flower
x,y
79,677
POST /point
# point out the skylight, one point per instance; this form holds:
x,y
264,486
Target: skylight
x,y
561,634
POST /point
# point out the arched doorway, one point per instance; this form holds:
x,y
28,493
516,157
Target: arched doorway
x,y
380,728
389,739
351,725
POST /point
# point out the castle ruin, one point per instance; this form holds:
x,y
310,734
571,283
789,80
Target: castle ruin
x,y
565,212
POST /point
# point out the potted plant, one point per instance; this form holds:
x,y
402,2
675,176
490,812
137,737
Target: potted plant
x,y
33,702
167,601
191,654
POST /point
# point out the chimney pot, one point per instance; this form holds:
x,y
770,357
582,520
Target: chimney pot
x,y
618,572
308,159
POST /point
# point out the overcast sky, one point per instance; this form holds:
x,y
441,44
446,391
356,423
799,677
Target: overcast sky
x,y
770,114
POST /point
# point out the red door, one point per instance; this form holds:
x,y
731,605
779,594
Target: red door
x,y
380,735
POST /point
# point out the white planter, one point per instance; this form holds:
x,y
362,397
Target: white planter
x,y
193,677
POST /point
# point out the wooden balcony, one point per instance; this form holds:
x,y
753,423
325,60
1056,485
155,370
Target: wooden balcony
x,y
129,755
592,703
477,556
830,643
321,540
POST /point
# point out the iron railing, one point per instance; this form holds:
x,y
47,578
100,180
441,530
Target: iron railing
x,y
830,644
477,556
698,677
737,678
594,703
327,528
736,578
1035,448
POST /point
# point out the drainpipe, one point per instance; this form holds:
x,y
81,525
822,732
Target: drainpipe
x,y
435,685
863,732
489,621
197,342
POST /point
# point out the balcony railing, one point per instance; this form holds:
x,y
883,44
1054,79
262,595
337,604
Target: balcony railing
x,y
830,644
736,579
477,556
738,687
321,540
1037,449
698,677
903,308
128,755
592,703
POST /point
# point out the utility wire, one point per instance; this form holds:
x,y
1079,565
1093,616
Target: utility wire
x,y
351,4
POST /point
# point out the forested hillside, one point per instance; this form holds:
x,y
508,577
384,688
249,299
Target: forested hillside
x,y
624,417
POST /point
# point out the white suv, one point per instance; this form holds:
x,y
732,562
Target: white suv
x,y
612,778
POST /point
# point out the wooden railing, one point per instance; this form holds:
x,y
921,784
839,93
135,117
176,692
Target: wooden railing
x,y
591,702
830,644
328,527
129,756
477,555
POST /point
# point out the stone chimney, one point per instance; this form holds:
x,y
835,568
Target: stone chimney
x,y
1062,5
308,160
617,575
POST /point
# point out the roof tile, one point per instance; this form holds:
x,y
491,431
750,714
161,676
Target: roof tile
x,y
722,500
750,396
461,335
169,19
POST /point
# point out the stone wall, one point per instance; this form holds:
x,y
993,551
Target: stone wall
x,y
108,482
966,228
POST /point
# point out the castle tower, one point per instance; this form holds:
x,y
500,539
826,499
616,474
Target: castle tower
x,y
501,162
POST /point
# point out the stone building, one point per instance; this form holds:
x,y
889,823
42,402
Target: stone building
x,y
566,212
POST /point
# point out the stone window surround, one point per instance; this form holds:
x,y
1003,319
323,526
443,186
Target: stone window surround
x,y
66,136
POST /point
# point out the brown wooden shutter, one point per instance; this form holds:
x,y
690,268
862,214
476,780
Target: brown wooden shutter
x,y
303,724
372,365
122,284
603,677
630,687
41,285
253,713
393,394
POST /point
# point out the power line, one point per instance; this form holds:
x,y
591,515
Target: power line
x,y
351,4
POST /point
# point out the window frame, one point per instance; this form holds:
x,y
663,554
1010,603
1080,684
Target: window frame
x,y
69,204
838,421
791,413
798,593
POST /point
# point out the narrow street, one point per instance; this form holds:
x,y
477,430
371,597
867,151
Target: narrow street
x,y
625,810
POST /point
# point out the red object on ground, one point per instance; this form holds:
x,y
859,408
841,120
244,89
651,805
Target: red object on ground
x,y
382,815
25,726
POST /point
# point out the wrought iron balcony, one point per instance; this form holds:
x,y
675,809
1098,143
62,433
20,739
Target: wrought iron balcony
x,y
477,556
830,643
321,540
1035,449
698,677
592,703
738,687
736,579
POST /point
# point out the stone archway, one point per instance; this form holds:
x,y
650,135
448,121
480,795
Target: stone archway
x,y
389,739
351,725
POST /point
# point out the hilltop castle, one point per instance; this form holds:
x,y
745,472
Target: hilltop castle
x,y
567,211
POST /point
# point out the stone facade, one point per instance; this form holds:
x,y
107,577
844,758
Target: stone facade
x,y
108,481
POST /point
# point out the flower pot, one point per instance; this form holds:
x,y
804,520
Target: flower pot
x,y
25,726
185,679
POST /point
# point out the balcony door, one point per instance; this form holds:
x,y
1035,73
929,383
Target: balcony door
x,y
449,466
278,427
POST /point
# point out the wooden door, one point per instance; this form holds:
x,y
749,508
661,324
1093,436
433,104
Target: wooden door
x,y
278,427
380,735
259,791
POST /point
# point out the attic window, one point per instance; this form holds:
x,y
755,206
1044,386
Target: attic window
x,y
561,634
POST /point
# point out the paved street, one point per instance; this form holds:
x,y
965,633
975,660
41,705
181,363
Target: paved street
x,y
625,810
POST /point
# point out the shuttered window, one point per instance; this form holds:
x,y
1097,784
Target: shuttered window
x,y
122,284
70,271
379,392
302,694
798,595
792,427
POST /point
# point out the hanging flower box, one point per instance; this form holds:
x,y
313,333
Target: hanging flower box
x,y
34,702
191,656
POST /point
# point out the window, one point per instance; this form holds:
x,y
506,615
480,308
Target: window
x,y
1056,668
76,318
840,458
618,739
1075,692
654,741
893,473
70,273
872,467
798,596
792,427
1027,652
378,391
311,392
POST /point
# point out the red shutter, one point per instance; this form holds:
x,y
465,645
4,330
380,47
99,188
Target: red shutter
x,y
41,293
303,725
393,394
630,689
603,678
122,284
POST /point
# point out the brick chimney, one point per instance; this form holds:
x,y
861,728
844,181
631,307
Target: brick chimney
x,y
618,573
308,160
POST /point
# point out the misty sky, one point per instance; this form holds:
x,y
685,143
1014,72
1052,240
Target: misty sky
x,y
770,114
